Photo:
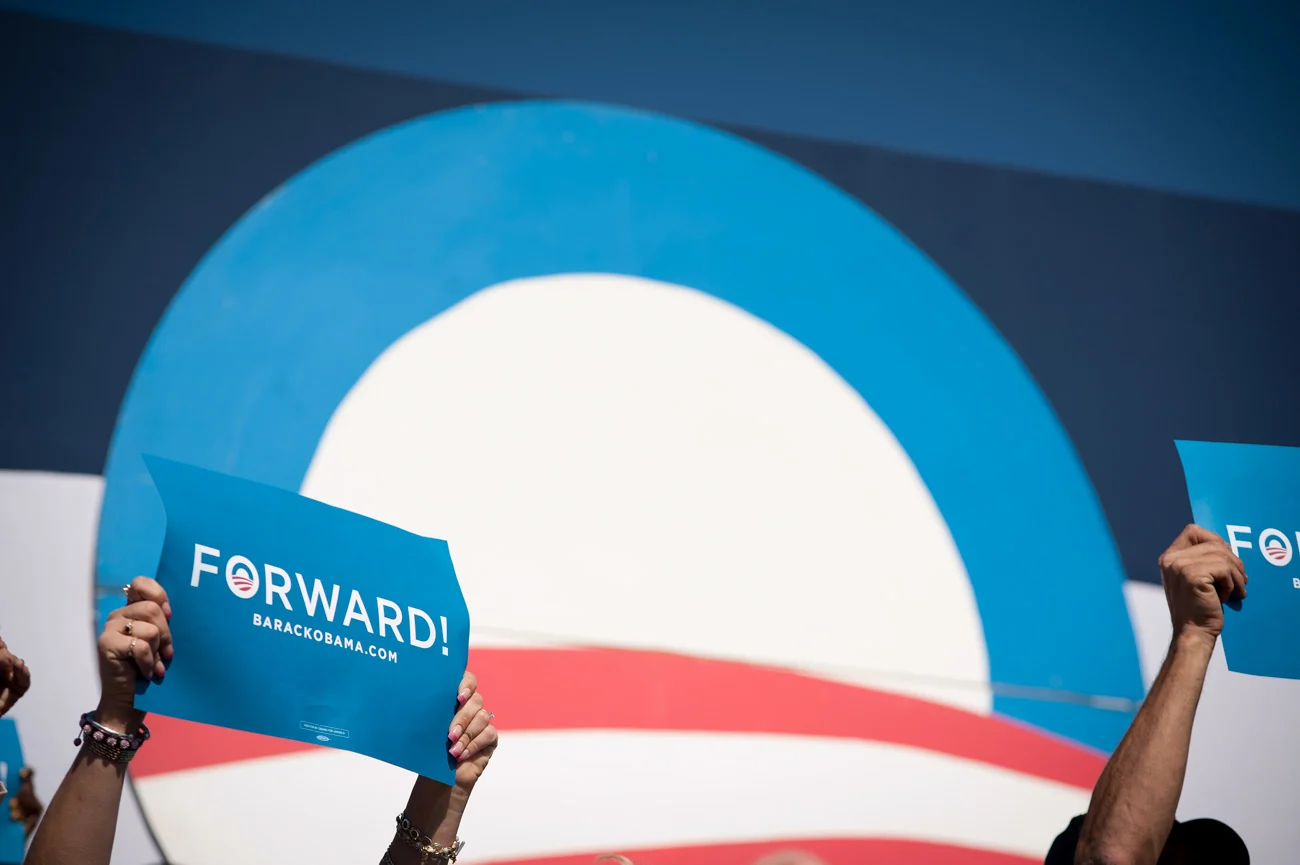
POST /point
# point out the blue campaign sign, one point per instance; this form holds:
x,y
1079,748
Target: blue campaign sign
x,y
296,619
1250,494
12,835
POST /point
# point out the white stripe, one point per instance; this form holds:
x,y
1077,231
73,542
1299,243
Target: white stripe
x,y
589,791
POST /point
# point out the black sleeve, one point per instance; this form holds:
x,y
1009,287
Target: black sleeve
x,y
1062,852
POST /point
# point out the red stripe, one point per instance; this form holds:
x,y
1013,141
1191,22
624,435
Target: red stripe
x,y
834,851
556,689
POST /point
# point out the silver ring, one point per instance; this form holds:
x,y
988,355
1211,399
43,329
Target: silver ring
x,y
131,648
130,625
126,590
491,715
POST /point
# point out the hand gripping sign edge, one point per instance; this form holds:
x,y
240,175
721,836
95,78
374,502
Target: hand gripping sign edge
x,y
344,613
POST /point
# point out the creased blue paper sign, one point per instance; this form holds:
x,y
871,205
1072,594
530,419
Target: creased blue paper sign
x,y
1250,495
296,619
13,837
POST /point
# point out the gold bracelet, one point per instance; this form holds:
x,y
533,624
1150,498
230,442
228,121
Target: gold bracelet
x,y
429,851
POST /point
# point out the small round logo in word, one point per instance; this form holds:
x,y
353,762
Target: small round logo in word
x,y
1275,547
242,577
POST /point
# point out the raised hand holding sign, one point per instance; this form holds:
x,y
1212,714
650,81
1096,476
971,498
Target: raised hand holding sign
x,y
305,621
1249,496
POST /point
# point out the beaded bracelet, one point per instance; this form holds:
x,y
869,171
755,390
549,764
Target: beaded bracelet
x,y
109,744
429,851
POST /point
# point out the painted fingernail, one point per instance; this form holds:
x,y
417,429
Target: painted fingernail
x,y
462,696
167,609
455,733
456,749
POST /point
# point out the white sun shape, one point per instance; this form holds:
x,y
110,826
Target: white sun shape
x,y
617,461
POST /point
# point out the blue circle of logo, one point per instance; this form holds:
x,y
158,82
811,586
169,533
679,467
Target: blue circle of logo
x,y
288,310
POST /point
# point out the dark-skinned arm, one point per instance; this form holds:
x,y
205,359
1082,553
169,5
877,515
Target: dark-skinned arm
x,y
436,809
1133,805
81,820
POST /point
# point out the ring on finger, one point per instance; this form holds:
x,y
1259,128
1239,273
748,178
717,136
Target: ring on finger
x,y
130,626
491,715
131,648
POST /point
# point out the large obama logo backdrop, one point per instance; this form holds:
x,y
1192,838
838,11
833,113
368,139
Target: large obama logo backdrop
x,y
662,390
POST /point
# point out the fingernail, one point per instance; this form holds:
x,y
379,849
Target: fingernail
x,y
169,652
460,758
462,696
167,609
455,733
456,749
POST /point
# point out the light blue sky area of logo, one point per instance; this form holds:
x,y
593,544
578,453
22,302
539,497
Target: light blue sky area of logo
x,y
288,310
1195,98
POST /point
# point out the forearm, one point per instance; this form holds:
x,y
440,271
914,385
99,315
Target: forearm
x,y
435,809
81,820
1134,802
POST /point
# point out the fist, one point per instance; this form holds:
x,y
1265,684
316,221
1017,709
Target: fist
x,y
15,679
1200,574
136,644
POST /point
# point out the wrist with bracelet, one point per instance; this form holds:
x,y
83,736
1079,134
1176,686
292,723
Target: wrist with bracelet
x,y
429,851
109,744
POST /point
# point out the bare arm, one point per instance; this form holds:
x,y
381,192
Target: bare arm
x,y
1134,802
434,808
81,820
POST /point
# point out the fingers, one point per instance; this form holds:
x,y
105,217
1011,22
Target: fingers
x,y
482,718
144,643
1226,569
484,743
20,681
1211,564
472,722
15,679
463,718
135,641
1224,586
468,706
468,685
151,612
145,589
